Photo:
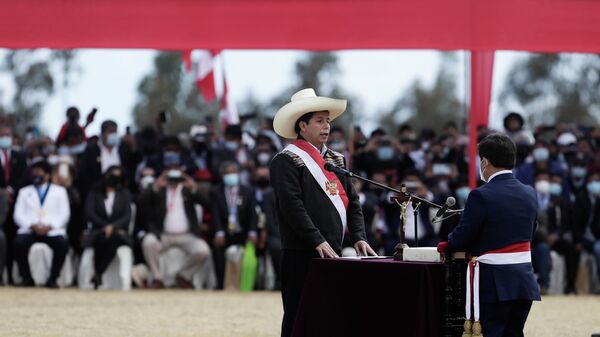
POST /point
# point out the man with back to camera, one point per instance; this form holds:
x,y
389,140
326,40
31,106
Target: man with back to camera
x,y
496,229
313,205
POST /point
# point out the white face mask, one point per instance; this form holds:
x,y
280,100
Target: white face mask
x,y
543,186
481,171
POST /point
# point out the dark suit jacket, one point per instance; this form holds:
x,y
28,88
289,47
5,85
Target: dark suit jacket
x,y
95,210
497,214
246,213
584,215
18,171
156,223
90,169
306,216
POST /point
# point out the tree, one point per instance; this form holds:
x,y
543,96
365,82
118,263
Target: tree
x,y
428,107
33,83
169,88
555,88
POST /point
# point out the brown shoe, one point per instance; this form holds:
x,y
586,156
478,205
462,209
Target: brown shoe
x,y
183,283
157,284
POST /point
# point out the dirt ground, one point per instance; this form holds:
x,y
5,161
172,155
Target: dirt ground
x,y
72,312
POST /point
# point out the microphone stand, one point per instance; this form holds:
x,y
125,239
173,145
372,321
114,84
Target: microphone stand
x,y
402,200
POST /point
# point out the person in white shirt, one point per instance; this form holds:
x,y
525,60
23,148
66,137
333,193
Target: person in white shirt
x,y
41,213
174,223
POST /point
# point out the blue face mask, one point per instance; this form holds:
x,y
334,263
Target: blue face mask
x,y
594,187
231,145
112,139
5,142
385,153
231,179
555,189
578,172
541,154
463,192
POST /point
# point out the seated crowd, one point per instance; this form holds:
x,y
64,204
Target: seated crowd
x,y
133,197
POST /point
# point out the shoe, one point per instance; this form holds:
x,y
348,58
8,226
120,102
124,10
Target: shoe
x,y
27,283
183,283
96,281
157,284
52,284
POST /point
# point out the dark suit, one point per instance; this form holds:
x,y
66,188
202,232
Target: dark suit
x,y
17,179
246,218
90,168
498,214
307,218
105,248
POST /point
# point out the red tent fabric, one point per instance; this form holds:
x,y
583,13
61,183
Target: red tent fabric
x,y
535,25
476,25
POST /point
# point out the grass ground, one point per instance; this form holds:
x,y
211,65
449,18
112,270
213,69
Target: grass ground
x,y
71,312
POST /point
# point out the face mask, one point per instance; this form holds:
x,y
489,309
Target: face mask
x,y
5,142
541,154
174,176
385,153
37,180
463,192
543,186
337,145
578,172
262,182
78,149
481,172
112,139
113,181
146,182
555,189
594,187
231,179
231,145
263,158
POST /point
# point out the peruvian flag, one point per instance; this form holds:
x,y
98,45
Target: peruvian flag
x,y
228,113
211,81
205,74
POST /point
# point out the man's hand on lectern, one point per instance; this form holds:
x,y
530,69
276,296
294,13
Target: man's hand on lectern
x,y
325,251
363,249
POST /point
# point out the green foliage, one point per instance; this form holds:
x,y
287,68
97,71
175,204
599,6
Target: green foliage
x,y
169,88
423,107
555,88
33,83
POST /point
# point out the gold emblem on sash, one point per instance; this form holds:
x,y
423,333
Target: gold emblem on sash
x,y
331,187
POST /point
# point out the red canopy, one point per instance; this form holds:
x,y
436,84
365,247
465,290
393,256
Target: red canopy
x,y
481,26
535,25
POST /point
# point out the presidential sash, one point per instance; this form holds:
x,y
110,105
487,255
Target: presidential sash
x,y
511,254
329,182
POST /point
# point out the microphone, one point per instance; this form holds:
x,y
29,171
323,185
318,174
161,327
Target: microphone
x,y
332,168
450,201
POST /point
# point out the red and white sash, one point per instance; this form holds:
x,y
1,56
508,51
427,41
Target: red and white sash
x,y
512,254
329,182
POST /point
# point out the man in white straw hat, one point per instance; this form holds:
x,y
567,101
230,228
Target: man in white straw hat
x,y
315,208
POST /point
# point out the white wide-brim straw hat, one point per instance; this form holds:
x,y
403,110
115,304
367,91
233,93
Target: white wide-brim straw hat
x,y
303,102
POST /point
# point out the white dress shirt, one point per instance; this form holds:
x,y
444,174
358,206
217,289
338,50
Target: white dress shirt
x,y
108,157
176,221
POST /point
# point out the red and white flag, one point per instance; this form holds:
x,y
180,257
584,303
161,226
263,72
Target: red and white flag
x,y
212,83
205,75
